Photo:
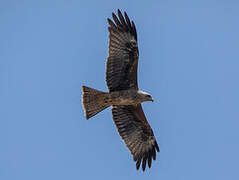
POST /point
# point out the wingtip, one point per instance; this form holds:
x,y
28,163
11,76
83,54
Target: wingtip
x,y
119,12
125,14
149,161
144,164
113,15
157,147
138,164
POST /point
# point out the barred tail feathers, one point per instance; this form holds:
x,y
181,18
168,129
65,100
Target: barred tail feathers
x,y
93,101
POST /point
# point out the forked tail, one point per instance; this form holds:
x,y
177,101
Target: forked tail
x,y
93,101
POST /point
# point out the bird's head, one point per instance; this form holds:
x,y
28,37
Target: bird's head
x,y
145,96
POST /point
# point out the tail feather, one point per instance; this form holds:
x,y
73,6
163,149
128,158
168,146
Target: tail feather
x,y
93,101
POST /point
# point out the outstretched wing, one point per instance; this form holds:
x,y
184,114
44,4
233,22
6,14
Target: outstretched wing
x,y
136,133
122,62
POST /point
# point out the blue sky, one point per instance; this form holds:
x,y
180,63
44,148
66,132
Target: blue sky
x,y
188,62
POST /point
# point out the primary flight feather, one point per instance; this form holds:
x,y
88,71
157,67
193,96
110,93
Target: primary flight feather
x,y
124,95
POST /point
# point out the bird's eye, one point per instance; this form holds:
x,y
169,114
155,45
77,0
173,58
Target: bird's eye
x,y
148,96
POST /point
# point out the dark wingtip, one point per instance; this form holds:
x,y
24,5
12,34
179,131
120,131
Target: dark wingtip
x,y
154,154
127,19
126,15
156,146
144,164
113,14
121,23
119,12
138,164
147,157
109,21
134,30
149,161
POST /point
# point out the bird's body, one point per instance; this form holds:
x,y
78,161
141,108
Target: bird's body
x,y
124,95
117,98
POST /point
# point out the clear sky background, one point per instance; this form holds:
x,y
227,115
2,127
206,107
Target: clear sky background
x,y
189,62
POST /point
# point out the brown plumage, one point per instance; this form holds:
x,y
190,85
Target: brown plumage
x,y
124,95
122,63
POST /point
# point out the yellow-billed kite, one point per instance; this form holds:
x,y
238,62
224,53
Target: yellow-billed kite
x,y
124,95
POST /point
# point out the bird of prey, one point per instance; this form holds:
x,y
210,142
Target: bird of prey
x,y
124,95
